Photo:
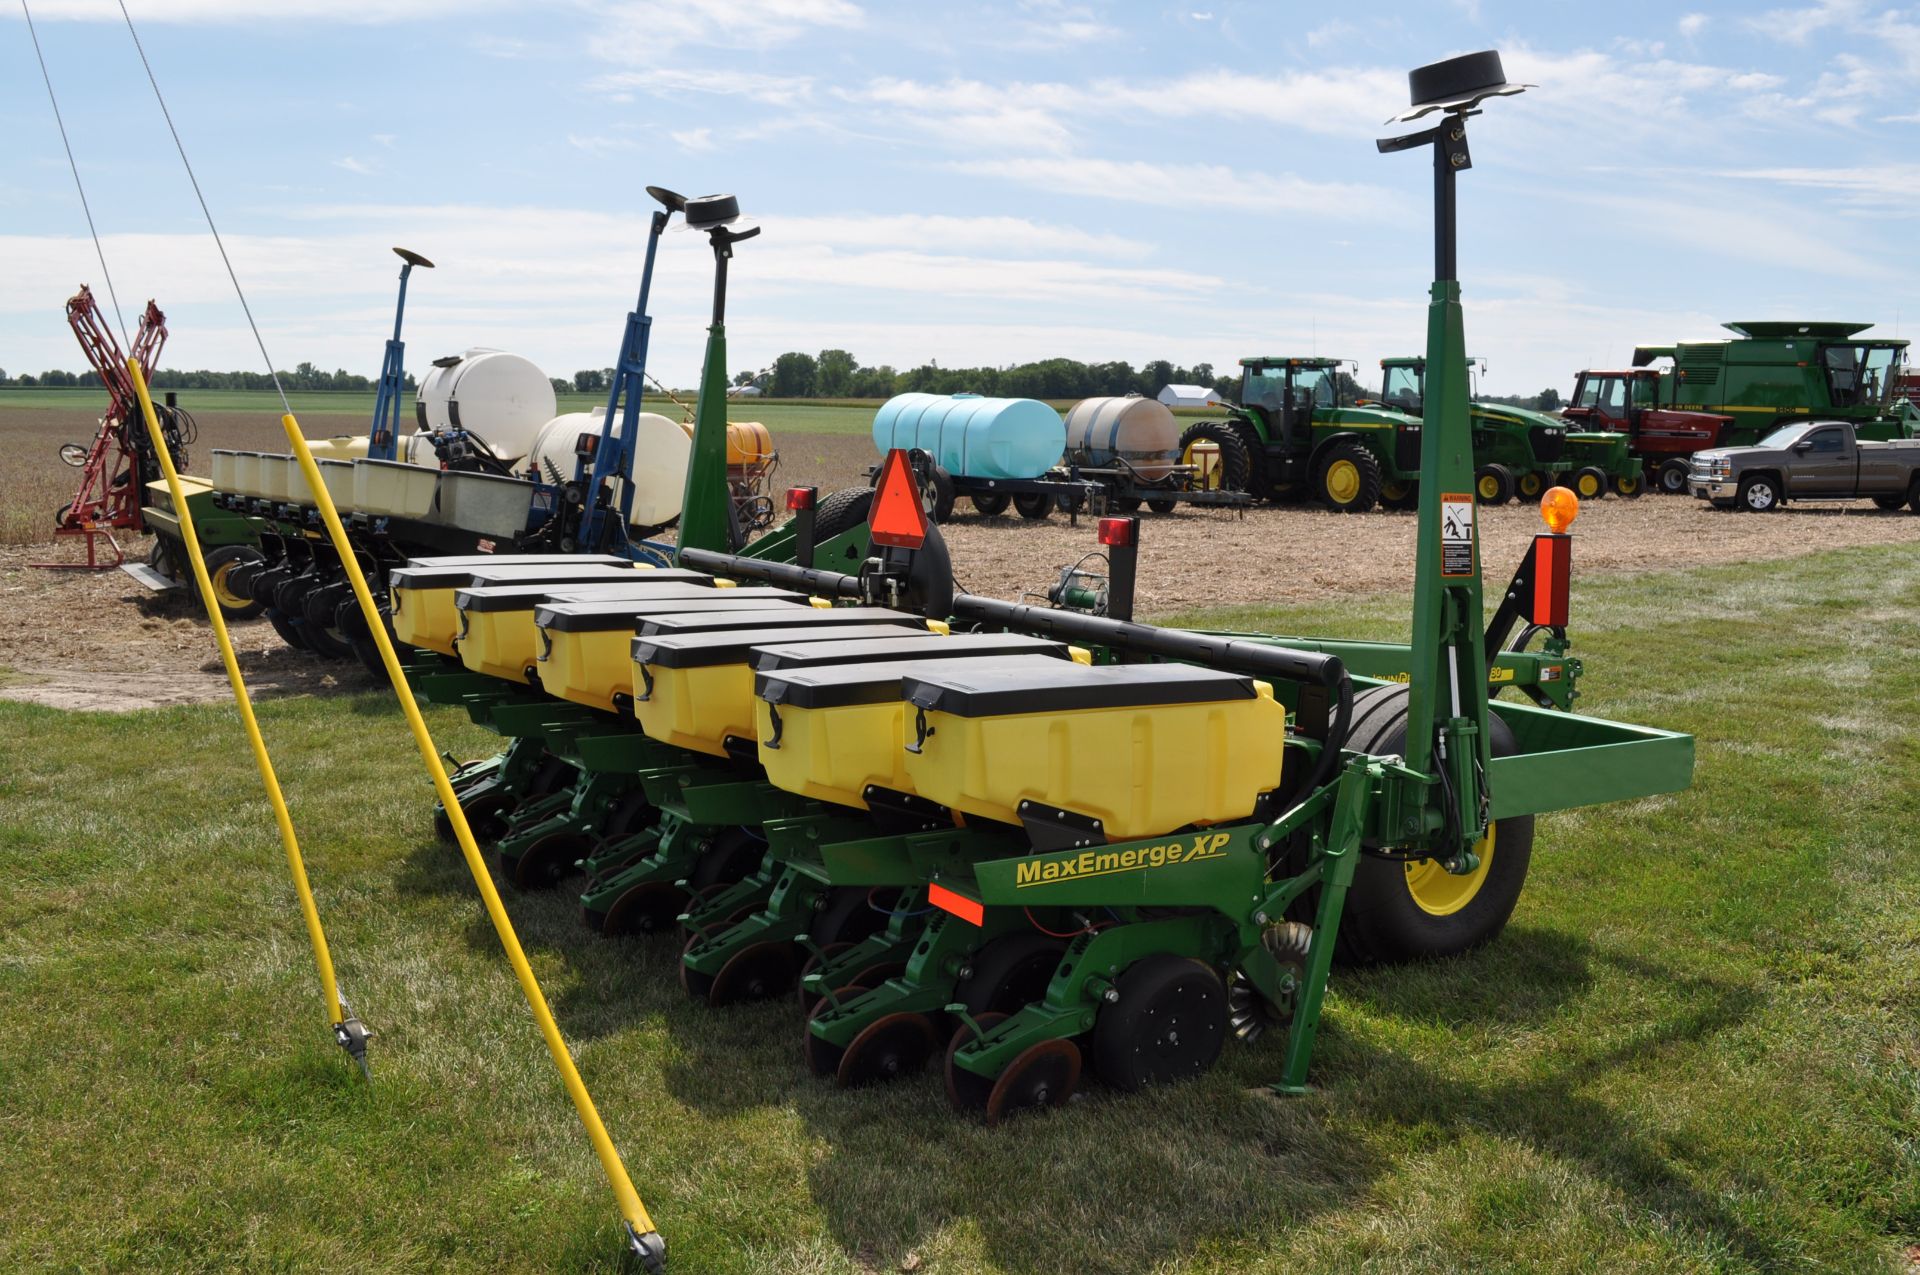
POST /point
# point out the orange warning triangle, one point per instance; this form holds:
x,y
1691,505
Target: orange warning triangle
x,y
898,518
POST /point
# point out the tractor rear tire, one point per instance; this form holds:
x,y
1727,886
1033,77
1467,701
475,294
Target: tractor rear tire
x,y
1492,485
1034,506
1671,477
1385,919
1347,480
841,512
221,562
1256,457
992,504
1629,486
1589,483
1235,471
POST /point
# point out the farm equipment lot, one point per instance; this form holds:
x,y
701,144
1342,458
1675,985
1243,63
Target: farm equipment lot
x,y
1693,1048
121,647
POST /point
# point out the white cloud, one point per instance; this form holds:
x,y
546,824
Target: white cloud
x,y
694,139
1185,185
1330,33
1692,24
772,90
353,165
654,27
216,11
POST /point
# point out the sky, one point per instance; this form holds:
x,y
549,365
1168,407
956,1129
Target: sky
x,y
969,183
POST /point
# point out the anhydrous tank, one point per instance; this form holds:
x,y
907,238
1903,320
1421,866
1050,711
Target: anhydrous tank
x,y
971,436
660,457
501,397
1103,432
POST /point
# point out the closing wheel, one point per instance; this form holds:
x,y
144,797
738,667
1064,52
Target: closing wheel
x,y
1348,478
822,1055
221,562
1043,1076
755,973
1672,476
548,861
888,1048
1529,484
648,908
487,818
1629,486
1168,1023
967,1091
1034,506
1492,485
1008,972
1399,910
695,984
1223,465
991,504
1588,483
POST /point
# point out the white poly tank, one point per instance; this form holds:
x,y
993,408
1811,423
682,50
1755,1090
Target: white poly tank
x,y
1104,432
661,453
501,398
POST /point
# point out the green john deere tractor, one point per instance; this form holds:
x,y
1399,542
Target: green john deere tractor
x,y
1300,432
1518,451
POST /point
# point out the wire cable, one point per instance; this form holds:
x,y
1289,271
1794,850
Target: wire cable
x,y
78,184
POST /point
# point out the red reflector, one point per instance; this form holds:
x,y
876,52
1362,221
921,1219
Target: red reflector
x,y
1552,569
799,498
898,518
958,904
1119,531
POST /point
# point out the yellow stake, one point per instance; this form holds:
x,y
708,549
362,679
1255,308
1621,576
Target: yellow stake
x,y
647,1244
336,1009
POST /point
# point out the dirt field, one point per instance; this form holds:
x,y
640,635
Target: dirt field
x,y
99,640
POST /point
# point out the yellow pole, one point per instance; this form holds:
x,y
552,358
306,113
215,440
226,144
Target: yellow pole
x,y
353,1036
646,1241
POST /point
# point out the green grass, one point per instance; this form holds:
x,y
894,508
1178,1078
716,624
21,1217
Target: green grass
x,y
1696,1048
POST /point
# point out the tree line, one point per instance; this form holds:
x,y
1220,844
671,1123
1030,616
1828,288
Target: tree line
x,y
304,377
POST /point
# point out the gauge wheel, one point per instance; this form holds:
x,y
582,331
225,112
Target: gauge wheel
x,y
221,562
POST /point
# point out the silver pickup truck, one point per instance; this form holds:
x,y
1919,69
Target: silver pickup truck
x,y
1808,460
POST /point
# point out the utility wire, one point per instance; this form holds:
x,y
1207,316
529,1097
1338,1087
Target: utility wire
x,y
78,184
207,212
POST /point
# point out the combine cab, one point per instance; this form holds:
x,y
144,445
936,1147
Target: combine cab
x,y
1519,452
1300,431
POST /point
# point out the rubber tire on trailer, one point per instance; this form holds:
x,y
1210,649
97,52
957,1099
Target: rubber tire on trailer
x,y
1366,490
1588,483
841,512
1629,486
1162,507
1530,485
1492,485
1123,504
1763,488
1890,503
1671,477
1034,506
940,503
1913,496
991,504
1236,465
1382,921
1168,1024
1009,972
221,562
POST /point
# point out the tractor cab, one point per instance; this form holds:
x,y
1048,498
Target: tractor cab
x,y
1285,393
1613,400
1403,382
1627,401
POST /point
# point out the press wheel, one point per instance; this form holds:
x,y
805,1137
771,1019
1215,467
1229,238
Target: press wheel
x,y
645,909
754,973
823,1056
693,982
1043,1076
889,1047
1168,1023
965,1090
549,861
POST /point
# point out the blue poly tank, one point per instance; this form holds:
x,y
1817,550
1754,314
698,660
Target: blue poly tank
x,y
974,437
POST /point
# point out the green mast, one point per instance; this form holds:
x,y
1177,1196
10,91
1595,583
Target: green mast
x,y
706,510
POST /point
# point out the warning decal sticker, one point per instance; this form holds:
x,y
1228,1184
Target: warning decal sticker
x,y
1456,534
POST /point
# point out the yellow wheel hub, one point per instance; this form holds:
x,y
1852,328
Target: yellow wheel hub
x,y
1343,481
1586,487
1530,485
1628,484
1395,491
1439,892
1489,488
224,595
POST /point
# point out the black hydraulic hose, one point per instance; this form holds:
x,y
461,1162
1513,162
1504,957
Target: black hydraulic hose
x,y
831,584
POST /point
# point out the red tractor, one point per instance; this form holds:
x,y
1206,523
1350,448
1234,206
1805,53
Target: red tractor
x,y
117,466
1662,437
